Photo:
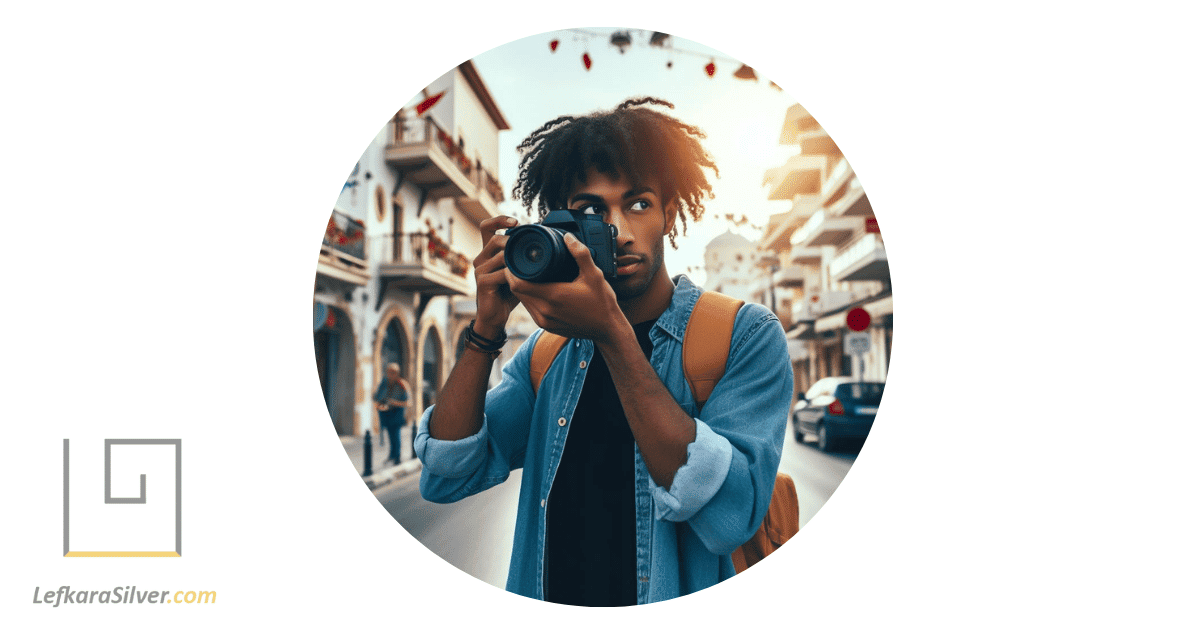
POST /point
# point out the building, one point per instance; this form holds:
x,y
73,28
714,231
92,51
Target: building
x,y
730,266
394,276
829,257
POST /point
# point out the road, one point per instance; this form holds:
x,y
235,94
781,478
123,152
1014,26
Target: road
x,y
476,533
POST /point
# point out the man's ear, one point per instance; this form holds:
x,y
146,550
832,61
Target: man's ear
x,y
670,212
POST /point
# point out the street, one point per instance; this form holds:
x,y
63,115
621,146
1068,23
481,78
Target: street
x,y
475,534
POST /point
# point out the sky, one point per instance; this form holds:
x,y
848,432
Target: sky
x,y
742,118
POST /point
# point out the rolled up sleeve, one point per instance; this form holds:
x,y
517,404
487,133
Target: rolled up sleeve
x,y
452,470
450,458
695,483
724,489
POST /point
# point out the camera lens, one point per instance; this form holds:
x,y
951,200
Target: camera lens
x,y
537,253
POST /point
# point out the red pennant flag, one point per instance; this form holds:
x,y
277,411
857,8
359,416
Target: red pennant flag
x,y
587,61
710,69
424,105
553,45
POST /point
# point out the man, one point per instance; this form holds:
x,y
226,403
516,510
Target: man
x,y
391,398
628,494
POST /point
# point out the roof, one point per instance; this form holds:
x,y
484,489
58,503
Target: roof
x,y
485,96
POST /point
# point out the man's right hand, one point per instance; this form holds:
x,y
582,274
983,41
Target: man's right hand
x,y
494,301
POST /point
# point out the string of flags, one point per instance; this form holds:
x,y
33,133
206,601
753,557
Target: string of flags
x,y
625,39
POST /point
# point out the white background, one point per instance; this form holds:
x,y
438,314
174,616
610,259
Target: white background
x,y
168,173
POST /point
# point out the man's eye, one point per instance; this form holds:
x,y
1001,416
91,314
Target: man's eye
x,y
640,206
588,209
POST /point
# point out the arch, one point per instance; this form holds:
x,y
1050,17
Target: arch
x,y
333,346
429,359
393,342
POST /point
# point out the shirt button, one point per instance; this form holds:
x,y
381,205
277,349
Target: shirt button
x,y
562,421
583,364
543,503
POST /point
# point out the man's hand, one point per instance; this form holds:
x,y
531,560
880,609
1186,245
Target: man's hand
x,y
584,308
494,301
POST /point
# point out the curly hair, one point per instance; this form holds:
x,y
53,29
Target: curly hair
x,y
633,141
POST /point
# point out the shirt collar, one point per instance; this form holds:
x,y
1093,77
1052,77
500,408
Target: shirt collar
x,y
674,319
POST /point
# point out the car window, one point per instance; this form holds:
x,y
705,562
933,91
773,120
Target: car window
x,y
861,392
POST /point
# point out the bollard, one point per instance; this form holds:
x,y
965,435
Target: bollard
x,y
367,454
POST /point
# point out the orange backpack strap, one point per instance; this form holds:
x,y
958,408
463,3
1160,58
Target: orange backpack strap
x,y
706,342
544,351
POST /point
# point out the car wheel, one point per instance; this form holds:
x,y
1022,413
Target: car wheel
x,y
824,442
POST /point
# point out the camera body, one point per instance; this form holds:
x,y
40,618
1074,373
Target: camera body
x,y
538,253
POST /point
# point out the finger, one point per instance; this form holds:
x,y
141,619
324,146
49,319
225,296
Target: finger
x,y
488,228
493,278
582,255
493,247
491,264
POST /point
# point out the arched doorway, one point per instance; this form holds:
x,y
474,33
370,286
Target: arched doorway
x,y
333,344
431,367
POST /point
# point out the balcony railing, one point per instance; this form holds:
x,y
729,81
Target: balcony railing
x,y
423,262
343,250
428,250
485,180
424,131
345,235
864,260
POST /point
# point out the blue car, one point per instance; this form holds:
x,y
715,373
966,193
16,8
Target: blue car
x,y
835,409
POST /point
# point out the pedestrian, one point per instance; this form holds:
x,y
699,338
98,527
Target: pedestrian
x,y
629,495
391,398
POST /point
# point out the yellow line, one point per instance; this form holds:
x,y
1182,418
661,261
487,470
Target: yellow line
x,y
122,555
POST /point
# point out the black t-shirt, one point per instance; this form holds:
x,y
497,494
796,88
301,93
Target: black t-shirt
x,y
590,517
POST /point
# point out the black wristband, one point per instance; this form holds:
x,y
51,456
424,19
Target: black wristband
x,y
487,344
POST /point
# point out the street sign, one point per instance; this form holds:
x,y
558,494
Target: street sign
x,y
857,343
858,319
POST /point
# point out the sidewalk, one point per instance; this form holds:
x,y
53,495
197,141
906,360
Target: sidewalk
x,y
383,472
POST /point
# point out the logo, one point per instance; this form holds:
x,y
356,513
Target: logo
x,y
124,517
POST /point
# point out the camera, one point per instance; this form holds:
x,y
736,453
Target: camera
x,y
538,253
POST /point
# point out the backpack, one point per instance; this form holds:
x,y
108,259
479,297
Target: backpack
x,y
705,352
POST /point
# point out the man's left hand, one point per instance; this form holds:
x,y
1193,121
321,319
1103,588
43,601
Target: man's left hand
x,y
584,308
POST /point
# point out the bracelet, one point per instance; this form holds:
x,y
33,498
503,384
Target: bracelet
x,y
490,354
486,344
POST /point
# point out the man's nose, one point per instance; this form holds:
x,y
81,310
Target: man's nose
x,y
624,233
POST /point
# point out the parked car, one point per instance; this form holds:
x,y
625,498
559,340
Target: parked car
x,y
836,408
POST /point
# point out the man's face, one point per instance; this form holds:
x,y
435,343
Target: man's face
x,y
393,375
641,220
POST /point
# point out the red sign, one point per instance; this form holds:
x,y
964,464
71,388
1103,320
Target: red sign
x,y
872,225
858,319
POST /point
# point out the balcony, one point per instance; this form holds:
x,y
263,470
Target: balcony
x,y
801,175
423,262
864,260
429,158
790,277
810,255
484,201
823,229
343,251
796,121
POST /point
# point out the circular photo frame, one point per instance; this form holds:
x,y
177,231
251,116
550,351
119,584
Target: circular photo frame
x,y
513,427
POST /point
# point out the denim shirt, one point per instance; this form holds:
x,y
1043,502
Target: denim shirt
x,y
718,498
